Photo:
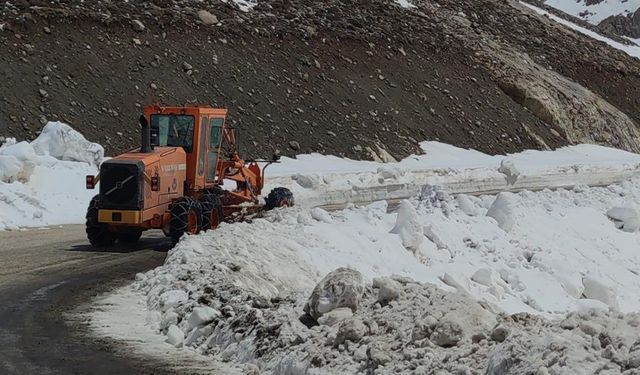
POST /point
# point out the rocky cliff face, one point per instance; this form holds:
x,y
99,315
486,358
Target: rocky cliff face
x,y
578,111
342,77
628,25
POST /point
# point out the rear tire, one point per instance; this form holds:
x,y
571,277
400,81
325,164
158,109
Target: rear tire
x,y
97,233
186,217
279,197
212,212
129,237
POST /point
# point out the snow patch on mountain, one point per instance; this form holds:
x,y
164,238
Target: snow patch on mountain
x,y
630,50
595,11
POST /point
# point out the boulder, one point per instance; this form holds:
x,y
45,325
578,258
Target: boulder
x,y
342,287
352,330
207,18
388,289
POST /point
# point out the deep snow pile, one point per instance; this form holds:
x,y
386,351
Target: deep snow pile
x,y
237,292
43,182
328,180
420,330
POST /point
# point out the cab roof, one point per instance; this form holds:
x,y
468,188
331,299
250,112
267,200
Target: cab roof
x,y
193,110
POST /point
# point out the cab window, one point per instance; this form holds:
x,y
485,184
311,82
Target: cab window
x,y
203,148
216,133
215,140
172,130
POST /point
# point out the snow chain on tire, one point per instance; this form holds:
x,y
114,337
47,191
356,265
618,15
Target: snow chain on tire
x,y
179,221
211,205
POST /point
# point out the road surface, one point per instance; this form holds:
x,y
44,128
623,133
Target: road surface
x,y
46,274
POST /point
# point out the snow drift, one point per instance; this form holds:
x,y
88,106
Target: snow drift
x,y
43,182
41,178
549,254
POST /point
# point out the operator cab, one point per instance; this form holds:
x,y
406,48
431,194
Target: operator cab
x,y
200,131
172,130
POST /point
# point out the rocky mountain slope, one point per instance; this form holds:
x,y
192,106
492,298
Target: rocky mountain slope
x,y
346,77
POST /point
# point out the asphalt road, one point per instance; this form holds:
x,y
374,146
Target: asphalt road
x,y
46,274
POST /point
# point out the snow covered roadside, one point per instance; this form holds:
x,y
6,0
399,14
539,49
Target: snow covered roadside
x,y
125,314
237,293
324,180
43,182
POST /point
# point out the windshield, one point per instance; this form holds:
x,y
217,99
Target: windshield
x,y
172,130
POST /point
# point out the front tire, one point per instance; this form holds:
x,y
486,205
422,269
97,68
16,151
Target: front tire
x,y
186,217
279,197
97,233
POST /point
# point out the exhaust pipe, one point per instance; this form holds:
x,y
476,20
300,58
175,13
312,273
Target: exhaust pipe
x,y
146,135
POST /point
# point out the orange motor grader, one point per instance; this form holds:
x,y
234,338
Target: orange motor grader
x,y
177,180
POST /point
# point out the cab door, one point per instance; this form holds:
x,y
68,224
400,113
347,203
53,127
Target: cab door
x,y
202,150
214,143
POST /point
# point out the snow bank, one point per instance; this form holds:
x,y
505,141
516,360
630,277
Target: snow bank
x,y
526,252
43,182
60,158
549,253
318,180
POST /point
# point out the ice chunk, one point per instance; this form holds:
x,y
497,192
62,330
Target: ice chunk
x,y
625,218
490,279
175,336
503,210
466,205
321,215
388,289
172,298
168,318
307,181
352,330
335,316
202,315
594,288
390,173
408,226
23,151
10,168
509,170
304,218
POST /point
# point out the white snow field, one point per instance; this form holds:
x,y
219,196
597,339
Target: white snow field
x,y
564,261
571,256
43,182
319,180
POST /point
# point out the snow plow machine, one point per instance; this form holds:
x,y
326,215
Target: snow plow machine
x,y
178,180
